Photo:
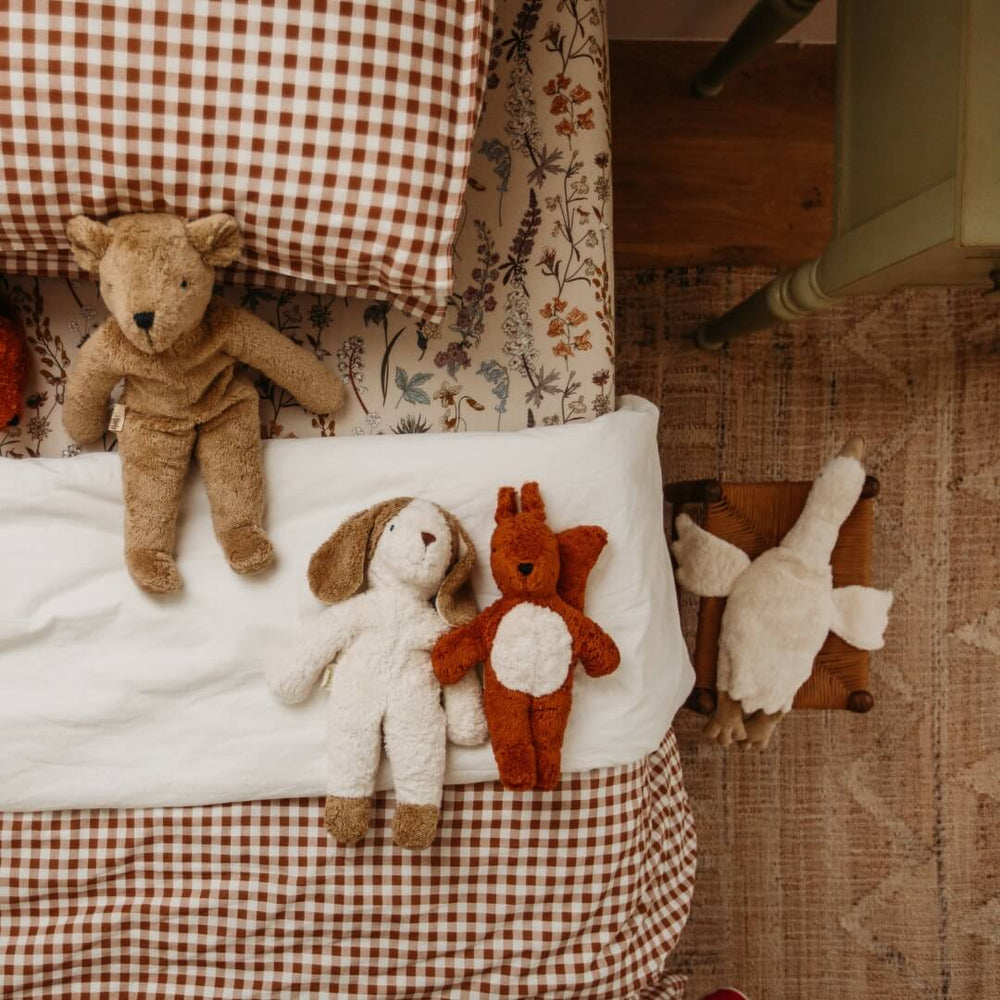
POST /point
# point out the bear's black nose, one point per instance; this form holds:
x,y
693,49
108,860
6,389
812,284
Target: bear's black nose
x,y
143,320
525,568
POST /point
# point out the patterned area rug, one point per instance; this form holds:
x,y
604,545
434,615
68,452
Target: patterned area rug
x,y
860,856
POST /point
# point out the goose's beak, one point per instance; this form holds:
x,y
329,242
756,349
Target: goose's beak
x,y
854,448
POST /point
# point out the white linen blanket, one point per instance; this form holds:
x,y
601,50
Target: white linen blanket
x,y
110,697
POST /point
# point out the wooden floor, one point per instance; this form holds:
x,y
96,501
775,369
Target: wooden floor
x,y
744,178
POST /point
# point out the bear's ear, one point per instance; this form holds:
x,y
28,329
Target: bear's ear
x,y
89,240
217,238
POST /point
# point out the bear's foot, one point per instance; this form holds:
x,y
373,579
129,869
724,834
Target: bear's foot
x,y
517,767
247,549
154,571
415,827
347,819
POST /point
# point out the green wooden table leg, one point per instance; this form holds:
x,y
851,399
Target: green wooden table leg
x,y
766,23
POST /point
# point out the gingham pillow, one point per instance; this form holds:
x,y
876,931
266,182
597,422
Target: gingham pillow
x,y
338,135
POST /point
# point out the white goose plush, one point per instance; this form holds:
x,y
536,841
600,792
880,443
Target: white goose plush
x,y
780,606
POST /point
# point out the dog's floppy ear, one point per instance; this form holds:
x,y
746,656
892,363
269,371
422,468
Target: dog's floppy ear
x,y
337,568
506,503
89,240
217,238
455,601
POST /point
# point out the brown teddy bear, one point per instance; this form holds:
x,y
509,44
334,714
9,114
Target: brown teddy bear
x,y
177,348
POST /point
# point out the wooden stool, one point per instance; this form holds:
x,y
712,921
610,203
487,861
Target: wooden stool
x,y
755,517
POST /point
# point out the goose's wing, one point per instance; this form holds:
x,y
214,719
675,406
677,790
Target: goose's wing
x,y
706,565
860,615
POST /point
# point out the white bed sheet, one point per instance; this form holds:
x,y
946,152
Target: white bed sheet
x,y
110,697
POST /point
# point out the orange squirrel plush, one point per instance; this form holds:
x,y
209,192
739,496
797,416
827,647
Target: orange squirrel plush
x,y
13,371
531,638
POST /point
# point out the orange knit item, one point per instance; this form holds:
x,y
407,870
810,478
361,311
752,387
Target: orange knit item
x,y
13,372
531,638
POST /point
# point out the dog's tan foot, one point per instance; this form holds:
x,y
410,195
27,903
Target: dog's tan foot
x,y
415,827
725,727
154,571
347,819
759,728
248,550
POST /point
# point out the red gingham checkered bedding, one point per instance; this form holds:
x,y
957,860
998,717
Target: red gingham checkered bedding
x,y
581,892
340,136
578,893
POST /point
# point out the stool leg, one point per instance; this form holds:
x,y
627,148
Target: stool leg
x,y
790,296
766,23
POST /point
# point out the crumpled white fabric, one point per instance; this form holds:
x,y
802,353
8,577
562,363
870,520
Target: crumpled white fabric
x,y
111,697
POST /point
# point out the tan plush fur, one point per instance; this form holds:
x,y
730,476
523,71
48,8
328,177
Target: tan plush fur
x,y
177,347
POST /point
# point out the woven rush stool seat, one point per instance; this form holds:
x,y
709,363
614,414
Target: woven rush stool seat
x,y
755,517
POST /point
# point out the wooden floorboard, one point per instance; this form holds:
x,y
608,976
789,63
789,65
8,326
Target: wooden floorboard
x,y
744,178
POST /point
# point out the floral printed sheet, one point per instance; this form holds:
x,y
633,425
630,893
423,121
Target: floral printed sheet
x,y
528,338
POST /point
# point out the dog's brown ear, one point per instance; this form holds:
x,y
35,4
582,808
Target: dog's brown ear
x,y
506,503
89,240
455,602
337,568
531,500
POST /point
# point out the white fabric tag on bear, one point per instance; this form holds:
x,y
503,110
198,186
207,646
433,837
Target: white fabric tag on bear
x,y
117,417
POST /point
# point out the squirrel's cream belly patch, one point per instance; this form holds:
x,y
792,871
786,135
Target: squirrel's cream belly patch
x,y
532,650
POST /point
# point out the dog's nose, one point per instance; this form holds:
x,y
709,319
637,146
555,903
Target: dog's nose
x,y
428,537
143,320
525,568
14,420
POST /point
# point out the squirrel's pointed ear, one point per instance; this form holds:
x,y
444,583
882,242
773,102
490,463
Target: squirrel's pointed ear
x,y
217,238
89,240
531,500
506,503
455,602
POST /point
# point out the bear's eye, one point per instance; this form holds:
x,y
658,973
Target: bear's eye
x,y
392,527
184,283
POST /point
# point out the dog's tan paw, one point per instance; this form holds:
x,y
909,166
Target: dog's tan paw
x,y
415,827
347,819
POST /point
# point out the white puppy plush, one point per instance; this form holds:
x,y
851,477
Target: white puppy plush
x,y
397,578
